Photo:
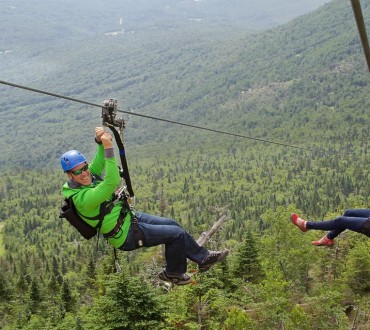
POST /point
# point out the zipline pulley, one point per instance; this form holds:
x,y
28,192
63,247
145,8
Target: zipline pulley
x,y
109,115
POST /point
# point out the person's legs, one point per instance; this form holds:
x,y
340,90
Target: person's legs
x,y
191,248
302,225
179,245
337,225
355,220
357,213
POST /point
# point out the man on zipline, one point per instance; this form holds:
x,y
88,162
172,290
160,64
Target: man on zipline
x,y
90,192
357,220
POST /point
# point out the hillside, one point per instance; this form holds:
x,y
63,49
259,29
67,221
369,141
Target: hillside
x,y
247,82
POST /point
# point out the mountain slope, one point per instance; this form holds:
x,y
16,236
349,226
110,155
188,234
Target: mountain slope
x,y
309,73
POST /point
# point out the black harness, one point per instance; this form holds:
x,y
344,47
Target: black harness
x,y
69,212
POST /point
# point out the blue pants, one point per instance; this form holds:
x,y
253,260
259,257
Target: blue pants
x,y
179,245
351,219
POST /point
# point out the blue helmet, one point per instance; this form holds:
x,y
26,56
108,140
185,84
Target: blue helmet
x,y
71,159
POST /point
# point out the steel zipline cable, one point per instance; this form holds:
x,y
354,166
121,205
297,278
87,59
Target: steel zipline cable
x,y
154,118
357,11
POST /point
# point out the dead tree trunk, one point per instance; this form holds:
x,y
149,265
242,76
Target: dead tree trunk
x,y
206,235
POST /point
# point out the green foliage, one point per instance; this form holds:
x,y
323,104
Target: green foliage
x,y
1,241
298,319
247,263
126,303
238,320
357,271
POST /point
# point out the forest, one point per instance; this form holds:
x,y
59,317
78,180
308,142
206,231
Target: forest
x,y
303,85
54,279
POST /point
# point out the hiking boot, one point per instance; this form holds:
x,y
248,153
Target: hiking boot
x,y
300,223
324,241
212,258
178,279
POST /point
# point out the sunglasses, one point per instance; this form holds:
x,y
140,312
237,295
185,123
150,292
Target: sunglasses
x,y
82,169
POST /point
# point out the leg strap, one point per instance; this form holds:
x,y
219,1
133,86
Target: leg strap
x,y
138,234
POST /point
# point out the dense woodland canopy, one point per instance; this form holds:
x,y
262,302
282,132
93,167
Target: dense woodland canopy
x,y
304,84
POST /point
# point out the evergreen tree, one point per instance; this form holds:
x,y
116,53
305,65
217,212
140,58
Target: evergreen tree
x,y
125,303
66,297
53,286
247,262
22,284
35,296
89,273
55,270
4,289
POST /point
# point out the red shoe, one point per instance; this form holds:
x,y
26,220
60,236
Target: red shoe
x,y
300,223
324,241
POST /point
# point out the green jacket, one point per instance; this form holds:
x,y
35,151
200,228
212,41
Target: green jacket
x,y
87,199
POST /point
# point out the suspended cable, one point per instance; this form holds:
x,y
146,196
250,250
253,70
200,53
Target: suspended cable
x,y
154,118
357,11
48,93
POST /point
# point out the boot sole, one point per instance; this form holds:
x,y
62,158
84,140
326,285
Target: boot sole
x,y
173,280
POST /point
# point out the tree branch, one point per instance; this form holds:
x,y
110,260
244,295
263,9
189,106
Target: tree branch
x,y
206,235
